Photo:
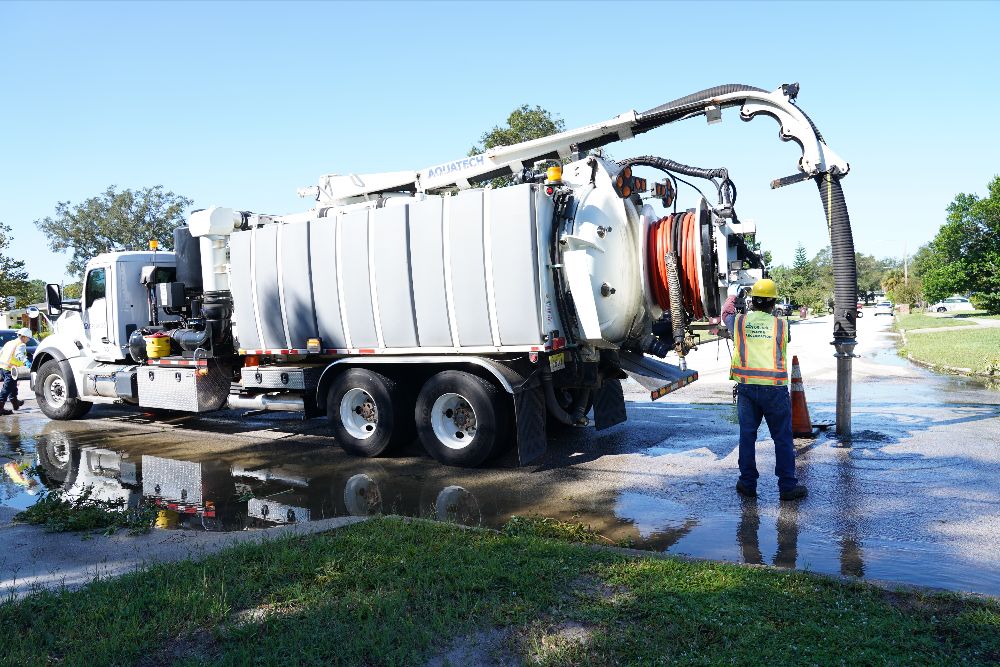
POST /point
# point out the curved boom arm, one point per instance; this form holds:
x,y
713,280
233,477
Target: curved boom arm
x,y
817,158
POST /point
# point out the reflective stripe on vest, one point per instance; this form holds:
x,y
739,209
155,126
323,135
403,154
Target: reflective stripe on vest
x,y
760,358
7,360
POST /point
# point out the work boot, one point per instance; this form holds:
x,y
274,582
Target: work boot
x,y
745,489
16,404
794,494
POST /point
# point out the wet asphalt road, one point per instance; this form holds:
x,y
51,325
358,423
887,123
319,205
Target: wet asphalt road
x,y
913,498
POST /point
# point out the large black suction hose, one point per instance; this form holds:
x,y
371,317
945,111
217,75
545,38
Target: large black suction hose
x,y
845,271
845,276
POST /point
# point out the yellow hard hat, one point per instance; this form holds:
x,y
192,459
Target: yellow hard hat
x,y
765,288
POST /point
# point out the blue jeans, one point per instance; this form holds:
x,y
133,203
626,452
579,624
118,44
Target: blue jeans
x,y
773,404
9,387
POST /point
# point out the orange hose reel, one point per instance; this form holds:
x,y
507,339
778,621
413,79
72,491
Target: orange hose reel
x,y
659,244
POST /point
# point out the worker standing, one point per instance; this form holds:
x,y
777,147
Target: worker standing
x,y
14,353
759,366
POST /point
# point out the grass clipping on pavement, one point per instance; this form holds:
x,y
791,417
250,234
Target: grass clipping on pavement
x,y
976,350
396,592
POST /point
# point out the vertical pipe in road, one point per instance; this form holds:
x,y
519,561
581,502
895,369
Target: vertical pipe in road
x,y
845,277
845,360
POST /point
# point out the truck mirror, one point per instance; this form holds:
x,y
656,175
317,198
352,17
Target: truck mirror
x,y
53,300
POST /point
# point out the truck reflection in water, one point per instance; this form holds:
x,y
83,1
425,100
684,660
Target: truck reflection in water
x,y
219,496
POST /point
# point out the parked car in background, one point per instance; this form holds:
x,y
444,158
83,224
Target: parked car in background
x,y
950,304
11,334
884,308
783,309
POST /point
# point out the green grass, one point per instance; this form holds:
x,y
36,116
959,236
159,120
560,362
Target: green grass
x,y
925,321
975,349
392,592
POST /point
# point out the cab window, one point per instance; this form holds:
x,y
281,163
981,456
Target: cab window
x,y
96,287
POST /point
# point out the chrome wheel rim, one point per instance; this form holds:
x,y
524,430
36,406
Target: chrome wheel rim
x,y
54,391
454,421
359,414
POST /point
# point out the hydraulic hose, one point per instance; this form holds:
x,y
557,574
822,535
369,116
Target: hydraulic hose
x,y
845,273
669,165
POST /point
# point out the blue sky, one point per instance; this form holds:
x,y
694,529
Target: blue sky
x,y
239,103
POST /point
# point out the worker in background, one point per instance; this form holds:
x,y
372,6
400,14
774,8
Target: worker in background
x,y
13,353
761,371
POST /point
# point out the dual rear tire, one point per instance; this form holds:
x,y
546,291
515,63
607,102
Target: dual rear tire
x,y
461,419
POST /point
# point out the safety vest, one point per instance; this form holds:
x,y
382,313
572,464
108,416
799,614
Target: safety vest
x,y
761,346
9,354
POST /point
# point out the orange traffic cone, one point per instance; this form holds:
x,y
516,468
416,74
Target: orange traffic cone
x,y
801,424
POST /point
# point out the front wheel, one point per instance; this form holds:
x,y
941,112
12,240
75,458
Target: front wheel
x,y
462,419
52,393
942,309
368,412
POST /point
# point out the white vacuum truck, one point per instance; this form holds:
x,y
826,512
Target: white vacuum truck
x,y
413,303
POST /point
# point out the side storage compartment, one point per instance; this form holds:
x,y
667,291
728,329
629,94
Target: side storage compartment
x,y
184,388
300,378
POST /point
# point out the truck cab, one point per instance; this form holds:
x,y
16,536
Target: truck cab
x,y
94,331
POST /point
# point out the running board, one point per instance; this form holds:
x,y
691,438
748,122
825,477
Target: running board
x,y
656,376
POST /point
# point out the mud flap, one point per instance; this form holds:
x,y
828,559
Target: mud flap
x,y
657,377
529,415
609,404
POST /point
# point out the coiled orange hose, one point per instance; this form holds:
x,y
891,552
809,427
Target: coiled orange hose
x,y
658,244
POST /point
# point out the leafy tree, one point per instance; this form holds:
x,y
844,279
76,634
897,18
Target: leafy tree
x,y
13,277
964,257
32,292
73,290
113,220
900,289
523,124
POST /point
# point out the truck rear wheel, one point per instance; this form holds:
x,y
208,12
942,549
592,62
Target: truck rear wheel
x,y
369,413
52,393
462,419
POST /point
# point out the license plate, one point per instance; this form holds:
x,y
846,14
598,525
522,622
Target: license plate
x,y
557,361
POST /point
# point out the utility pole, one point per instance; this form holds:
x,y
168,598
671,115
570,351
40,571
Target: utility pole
x,y
906,270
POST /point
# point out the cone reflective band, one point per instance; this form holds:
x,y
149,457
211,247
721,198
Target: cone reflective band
x,y
801,424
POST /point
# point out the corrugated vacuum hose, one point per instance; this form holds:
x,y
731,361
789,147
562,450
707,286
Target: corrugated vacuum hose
x,y
845,278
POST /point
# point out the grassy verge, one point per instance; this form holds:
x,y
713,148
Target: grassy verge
x,y
925,321
976,349
394,592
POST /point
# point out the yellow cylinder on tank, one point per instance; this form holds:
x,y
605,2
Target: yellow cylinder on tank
x,y
157,345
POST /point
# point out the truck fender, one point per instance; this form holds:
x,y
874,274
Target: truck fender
x,y
61,348
499,372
